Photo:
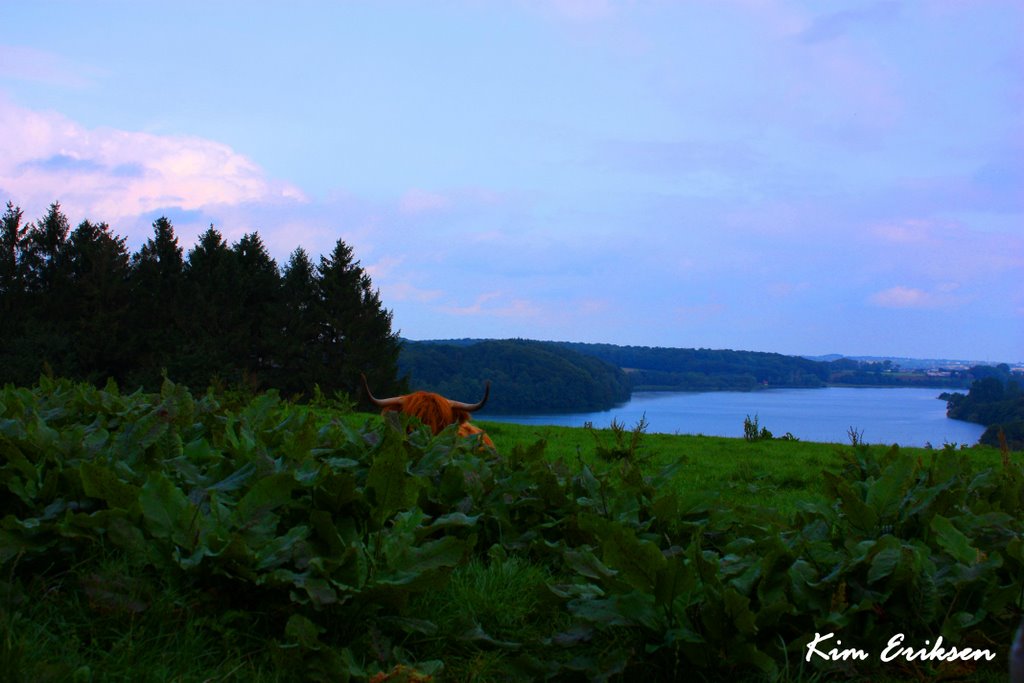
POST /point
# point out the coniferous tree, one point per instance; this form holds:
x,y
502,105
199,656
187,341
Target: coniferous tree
x,y
157,307
215,316
45,250
98,265
258,292
45,341
12,244
298,363
355,330
16,364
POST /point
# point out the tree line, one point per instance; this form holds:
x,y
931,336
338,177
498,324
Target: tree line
x,y
527,376
76,303
660,368
995,400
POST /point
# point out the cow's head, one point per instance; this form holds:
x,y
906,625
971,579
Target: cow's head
x,y
434,410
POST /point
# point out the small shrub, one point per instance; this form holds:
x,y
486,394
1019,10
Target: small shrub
x,y
623,447
856,437
752,431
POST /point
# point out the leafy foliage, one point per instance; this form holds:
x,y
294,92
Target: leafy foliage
x,y
353,552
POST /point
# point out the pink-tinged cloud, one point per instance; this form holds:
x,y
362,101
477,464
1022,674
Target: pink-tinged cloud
x,y
911,297
406,292
583,10
108,174
420,201
911,231
390,274
495,304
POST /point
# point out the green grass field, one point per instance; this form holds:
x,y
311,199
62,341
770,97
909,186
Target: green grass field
x,y
773,473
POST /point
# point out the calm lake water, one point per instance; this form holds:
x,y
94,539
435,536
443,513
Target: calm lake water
x,y
907,416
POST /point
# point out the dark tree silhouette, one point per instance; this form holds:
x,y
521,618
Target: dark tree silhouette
x,y
76,304
157,307
99,266
355,330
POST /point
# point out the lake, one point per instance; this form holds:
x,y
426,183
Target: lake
x,y
907,416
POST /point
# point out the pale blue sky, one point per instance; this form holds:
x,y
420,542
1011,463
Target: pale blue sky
x,y
800,177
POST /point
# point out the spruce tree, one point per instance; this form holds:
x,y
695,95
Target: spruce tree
x,y
14,309
45,251
355,330
298,362
211,349
45,341
157,307
12,244
98,265
259,285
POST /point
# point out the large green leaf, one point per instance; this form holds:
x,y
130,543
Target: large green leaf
x,y
281,549
392,487
584,562
167,511
100,482
886,557
636,561
266,495
857,513
885,494
676,579
953,541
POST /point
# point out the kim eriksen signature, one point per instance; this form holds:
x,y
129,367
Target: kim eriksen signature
x,y
895,650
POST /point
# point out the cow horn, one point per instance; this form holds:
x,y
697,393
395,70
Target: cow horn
x,y
380,402
470,407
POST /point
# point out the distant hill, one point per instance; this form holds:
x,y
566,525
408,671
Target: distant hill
x,y
526,376
908,363
659,368
541,376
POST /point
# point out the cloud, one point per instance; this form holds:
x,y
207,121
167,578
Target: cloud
x,y
109,174
403,292
835,24
583,10
503,306
910,231
912,297
420,201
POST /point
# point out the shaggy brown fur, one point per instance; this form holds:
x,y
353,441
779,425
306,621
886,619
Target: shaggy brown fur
x,y
433,410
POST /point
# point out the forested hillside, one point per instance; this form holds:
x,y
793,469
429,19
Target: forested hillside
x,y
673,369
707,369
77,304
688,369
526,376
994,400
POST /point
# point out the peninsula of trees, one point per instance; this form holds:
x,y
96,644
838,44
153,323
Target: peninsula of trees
x,y
995,400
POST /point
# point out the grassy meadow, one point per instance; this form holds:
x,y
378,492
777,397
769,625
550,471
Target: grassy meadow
x,y
171,537
774,473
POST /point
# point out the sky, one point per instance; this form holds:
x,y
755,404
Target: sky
x,y
800,177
